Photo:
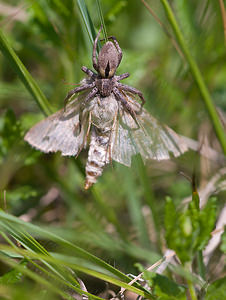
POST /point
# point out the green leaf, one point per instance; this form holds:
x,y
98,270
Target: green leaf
x,y
165,288
207,219
223,242
14,275
216,290
170,217
188,232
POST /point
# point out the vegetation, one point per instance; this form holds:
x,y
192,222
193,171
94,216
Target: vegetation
x,y
153,221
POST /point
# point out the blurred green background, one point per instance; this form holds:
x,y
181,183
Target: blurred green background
x,y
121,219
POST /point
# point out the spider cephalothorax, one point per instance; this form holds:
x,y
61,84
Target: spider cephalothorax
x,y
105,81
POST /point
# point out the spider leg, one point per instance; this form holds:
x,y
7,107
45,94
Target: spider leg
x,y
95,65
122,76
89,72
77,90
126,104
91,94
117,47
132,90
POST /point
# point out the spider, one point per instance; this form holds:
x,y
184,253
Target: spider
x,y
105,81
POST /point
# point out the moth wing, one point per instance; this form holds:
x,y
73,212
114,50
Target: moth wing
x,y
61,131
149,137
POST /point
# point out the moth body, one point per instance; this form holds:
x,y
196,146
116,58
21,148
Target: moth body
x,y
98,156
103,116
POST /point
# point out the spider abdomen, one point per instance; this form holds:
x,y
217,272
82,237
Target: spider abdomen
x,y
108,60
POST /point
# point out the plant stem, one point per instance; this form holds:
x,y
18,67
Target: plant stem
x,y
197,76
189,282
191,290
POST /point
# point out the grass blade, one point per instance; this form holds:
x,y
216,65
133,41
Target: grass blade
x,y
197,76
62,261
9,219
87,20
24,75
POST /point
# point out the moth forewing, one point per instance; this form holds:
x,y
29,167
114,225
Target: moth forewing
x,y
147,136
63,131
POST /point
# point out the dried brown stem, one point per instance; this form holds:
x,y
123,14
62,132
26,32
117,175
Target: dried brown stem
x,y
163,27
223,12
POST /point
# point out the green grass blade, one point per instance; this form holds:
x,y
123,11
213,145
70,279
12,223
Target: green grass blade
x,y
35,277
87,20
197,77
24,75
79,252
201,265
63,260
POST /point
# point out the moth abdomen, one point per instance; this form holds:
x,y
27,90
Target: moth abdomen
x,y
98,157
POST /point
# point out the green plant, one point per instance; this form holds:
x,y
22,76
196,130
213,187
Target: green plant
x,y
70,234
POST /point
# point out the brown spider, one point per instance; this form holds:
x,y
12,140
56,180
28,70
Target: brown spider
x,y
106,82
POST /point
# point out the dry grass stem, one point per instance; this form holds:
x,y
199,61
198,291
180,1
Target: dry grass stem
x,y
223,12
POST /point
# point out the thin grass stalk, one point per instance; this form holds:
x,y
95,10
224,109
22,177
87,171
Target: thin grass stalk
x,y
102,20
197,77
223,13
164,27
24,75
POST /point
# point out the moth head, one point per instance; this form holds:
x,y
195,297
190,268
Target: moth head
x,y
108,60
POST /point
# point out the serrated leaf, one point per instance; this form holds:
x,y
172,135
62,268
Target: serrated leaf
x,y
207,219
188,232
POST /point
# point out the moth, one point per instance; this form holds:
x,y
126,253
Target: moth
x,y
107,118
